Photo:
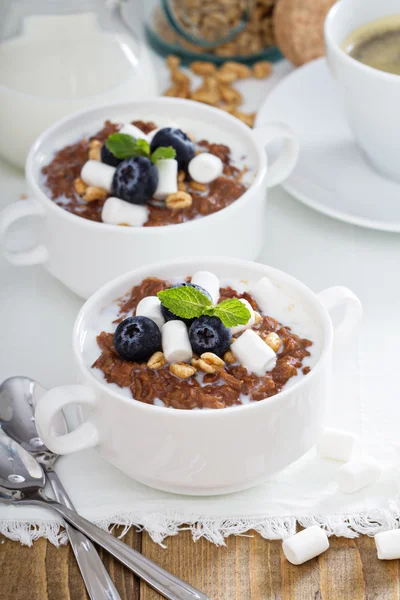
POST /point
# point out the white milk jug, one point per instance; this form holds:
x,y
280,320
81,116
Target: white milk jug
x,y
58,57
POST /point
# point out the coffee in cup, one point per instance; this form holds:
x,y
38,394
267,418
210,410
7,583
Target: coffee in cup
x,y
376,44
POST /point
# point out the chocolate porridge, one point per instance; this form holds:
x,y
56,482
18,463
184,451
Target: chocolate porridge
x,y
215,382
62,180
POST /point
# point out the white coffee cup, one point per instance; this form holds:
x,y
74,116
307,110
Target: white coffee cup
x,y
85,254
371,97
199,451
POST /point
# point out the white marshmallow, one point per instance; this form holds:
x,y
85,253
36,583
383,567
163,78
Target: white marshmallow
x,y
305,545
336,444
249,323
209,282
118,212
253,353
133,131
357,474
167,178
98,174
205,167
151,307
175,342
388,544
266,296
151,134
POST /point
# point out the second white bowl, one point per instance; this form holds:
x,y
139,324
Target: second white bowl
x,y
85,254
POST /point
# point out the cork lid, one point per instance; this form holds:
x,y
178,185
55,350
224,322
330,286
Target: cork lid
x,y
299,28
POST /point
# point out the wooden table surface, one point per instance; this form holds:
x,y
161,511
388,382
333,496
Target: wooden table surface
x,y
248,568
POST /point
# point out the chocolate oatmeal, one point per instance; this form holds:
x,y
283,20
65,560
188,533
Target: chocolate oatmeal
x,y
228,385
62,181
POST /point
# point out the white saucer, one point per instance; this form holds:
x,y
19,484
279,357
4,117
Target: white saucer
x,y
332,176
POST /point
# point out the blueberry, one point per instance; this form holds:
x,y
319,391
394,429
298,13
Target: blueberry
x,y
169,316
137,338
209,334
135,180
183,146
108,157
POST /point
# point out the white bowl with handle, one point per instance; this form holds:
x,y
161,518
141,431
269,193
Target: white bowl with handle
x,y
85,254
199,451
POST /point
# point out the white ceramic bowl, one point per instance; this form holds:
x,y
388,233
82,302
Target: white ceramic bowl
x,y
84,254
199,451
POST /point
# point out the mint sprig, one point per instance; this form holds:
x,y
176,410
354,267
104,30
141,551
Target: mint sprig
x,y
123,146
190,303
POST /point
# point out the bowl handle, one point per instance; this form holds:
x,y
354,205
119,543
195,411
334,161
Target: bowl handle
x,y
10,215
84,436
334,297
285,162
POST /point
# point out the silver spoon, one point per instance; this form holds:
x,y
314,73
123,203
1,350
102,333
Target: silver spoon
x,y
18,399
22,480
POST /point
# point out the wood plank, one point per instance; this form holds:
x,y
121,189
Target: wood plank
x,y
381,577
299,582
23,569
44,572
248,568
256,569
222,573
265,568
341,571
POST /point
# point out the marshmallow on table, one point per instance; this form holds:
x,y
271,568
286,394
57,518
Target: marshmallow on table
x,y
305,545
253,353
175,342
357,474
249,323
98,174
209,282
133,131
205,167
388,544
167,178
336,444
118,212
151,307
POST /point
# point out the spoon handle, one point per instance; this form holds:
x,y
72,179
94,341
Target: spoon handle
x,y
98,582
162,581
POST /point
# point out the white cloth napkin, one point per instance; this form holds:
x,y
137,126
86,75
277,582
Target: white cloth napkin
x,y
304,492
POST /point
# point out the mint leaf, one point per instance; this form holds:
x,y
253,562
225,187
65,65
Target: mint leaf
x,y
163,152
123,146
185,301
232,312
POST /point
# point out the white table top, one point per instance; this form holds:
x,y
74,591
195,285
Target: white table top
x,y
37,312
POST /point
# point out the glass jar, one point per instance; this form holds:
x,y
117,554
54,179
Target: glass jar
x,y
57,57
214,30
